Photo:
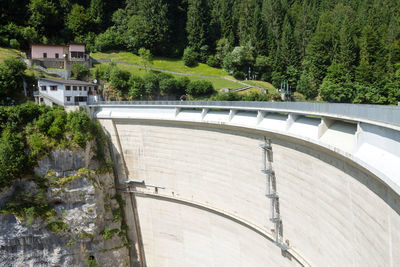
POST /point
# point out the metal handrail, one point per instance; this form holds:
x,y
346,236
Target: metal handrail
x,y
378,113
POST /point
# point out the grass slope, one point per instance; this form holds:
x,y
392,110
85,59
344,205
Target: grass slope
x,y
218,83
9,53
171,64
177,65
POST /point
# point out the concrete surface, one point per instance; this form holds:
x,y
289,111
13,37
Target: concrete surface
x,y
338,203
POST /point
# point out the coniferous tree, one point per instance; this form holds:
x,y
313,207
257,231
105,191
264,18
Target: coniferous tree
x,y
197,24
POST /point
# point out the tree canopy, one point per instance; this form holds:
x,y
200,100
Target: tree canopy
x,y
334,50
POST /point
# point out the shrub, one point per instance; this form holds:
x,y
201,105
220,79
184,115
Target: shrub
x,y
14,43
255,96
79,124
231,96
213,61
169,86
182,84
298,97
11,78
240,75
151,83
189,57
200,88
79,71
12,157
119,79
110,39
136,87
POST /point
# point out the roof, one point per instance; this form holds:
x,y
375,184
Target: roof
x,y
48,45
58,45
63,81
76,44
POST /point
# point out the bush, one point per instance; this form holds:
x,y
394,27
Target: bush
x,y
119,79
213,61
298,97
79,71
169,86
12,157
200,88
255,96
231,96
240,75
136,87
182,84
109,40
79,124
11,78
14,43
151,83
189,57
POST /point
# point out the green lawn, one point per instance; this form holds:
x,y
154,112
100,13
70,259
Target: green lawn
x,y
247,91
171,64
8,53
176,65
218,83
262,84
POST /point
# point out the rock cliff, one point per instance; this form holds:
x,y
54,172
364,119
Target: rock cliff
x,y
82,224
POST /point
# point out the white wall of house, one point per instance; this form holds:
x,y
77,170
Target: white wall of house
x,y
62,94
57,94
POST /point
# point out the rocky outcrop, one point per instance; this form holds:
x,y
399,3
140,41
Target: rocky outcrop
x,y
85,227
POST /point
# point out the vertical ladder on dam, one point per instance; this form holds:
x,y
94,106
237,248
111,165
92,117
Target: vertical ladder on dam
x,y
272,193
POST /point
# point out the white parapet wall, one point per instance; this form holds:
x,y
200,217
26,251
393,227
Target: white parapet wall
x,y
202,201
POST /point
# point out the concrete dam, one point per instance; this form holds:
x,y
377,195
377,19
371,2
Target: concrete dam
x,y
257,184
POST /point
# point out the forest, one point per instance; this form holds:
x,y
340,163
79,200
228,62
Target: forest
x,y
329,50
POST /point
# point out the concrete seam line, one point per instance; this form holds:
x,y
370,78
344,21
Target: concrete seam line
x,y
227,215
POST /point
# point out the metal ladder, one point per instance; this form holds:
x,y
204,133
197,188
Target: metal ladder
x,y
272,193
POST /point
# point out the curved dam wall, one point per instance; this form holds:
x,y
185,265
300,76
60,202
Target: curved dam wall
x,y
198,196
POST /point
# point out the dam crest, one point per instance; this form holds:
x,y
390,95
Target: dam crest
x,y
257,183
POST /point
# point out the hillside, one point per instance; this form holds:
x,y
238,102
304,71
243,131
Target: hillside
x,y
335,51
9,53
217,76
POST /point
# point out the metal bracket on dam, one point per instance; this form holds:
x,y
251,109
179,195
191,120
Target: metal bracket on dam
x,y
199,198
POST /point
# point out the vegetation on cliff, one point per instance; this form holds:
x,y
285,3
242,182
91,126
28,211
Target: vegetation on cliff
x,y
29,132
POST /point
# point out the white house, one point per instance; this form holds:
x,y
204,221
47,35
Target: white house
x,y
64,92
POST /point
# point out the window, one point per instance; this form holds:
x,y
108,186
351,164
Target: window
x,y
43,87
77,54
44,55
53,87
80,88
41,99
68,98
74,88
84,88
68,88
56,55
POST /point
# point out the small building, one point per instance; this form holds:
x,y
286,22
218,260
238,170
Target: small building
x,y
58,56
65,92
